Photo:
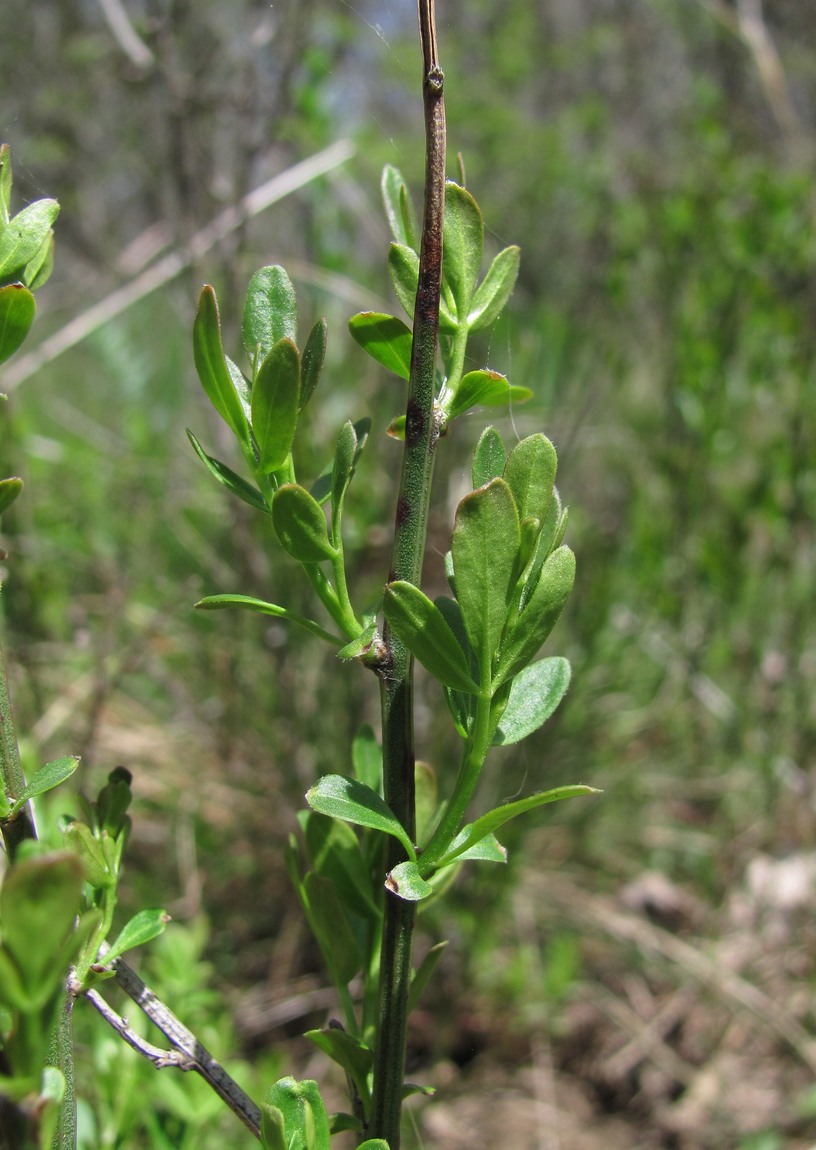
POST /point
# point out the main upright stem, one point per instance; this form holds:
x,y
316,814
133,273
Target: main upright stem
x,y
397,675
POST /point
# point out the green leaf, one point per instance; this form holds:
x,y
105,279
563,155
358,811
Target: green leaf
x,y
248,603
275,405
17,311
396,428
45,779
361,645
373,1144
426,799
270,312
485,545
489,458
228,478
406,882
334,852
403,267
354,802
495,289
484,388
211,365
422,628
366,758
142,928
530,473
385,338
398,207
539,616
113,801
38,269
462,246
345,454
5,184
81,841
301,525
534,695
23,236
423,974
302,1116
314,355
356,1059
39,901
331,928
475,832
488,849
9,490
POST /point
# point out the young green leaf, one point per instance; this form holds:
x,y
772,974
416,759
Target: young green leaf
x,y
275,405
462,246
81,841
534,695
350,1053
334,852
226,476
314,355
530,473
486,389
142,928
301,525
9,490
5,184
344,455
39,900
270,312
487,849
212,369
302,1114
475,832
353,801
361,645
366,758
45,779
248,603
489,458
23,236
385,338
495,289
406,882
535,622
403,267
422,628
485,545
398,207
330,926
17,310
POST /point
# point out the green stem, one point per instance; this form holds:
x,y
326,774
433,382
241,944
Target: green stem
x,y
396,675
12,781
470,769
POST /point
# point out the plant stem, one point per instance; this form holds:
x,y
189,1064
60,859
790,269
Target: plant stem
x,y
12,782
396,676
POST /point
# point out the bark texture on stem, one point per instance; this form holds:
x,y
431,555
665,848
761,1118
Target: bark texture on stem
x,y
396,676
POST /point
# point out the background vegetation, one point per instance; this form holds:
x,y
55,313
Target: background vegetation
x,y
649,980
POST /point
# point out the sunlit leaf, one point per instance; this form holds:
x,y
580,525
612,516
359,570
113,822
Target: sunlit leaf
x,y
406,882
248,603
534,695
208,353
485,389
226,476
403,267
46,778
23,236
142,928
9,490
385,338
489,458
530,473
275,405
495,289
17,311
314,355
462,246
349,799
301,525
539,616
398,207
422,628
270,312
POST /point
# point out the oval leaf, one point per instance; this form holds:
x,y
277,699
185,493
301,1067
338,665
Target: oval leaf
x,y
532,626
142,928
484,388
403,267
23,236
530,472
9,490
385,338
354,802
17,310
495,289
314,355
489,458
398,207
485,545
301,525
270,312
462,246
275,405
406,882
46,778
534,695
421,626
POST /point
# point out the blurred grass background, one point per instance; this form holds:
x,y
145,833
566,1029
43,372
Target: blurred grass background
x,y
654,160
